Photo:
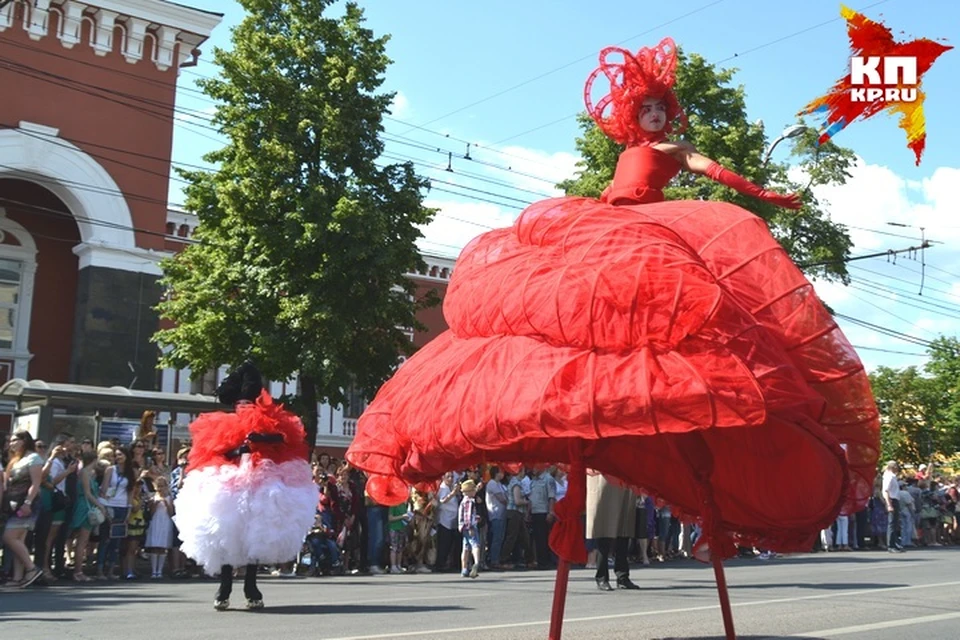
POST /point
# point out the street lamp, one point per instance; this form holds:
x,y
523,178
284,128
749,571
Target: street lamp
x,y
789,132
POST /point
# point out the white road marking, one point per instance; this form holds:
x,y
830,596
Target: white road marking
x,y
639,614
875,626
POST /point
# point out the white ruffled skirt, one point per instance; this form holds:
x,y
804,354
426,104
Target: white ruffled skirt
x,y
244,514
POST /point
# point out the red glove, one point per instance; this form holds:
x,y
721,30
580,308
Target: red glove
x,y
729,178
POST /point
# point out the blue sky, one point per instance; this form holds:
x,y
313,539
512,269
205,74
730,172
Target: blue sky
x,y
452,58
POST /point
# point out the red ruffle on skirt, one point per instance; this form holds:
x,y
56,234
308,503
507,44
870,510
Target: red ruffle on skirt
x,y
673,345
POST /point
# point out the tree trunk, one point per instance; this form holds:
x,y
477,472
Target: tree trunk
x,y
308,398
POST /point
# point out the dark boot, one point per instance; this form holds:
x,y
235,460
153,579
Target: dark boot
x,y
624,582
221,602
250,590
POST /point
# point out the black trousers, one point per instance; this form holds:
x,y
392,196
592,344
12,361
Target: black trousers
x,y
445,543
40,533
250,590
541,539
620,565
60,550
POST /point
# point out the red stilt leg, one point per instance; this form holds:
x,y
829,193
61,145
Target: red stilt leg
x,y
559,599
724,598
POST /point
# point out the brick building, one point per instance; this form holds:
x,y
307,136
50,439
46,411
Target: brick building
x,y
86,132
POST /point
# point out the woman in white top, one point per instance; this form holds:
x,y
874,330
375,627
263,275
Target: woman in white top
x,y
118,483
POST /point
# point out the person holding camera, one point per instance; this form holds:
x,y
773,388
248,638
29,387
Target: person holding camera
x,y
58,467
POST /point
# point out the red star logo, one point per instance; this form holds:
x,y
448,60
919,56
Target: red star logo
x,y
868,39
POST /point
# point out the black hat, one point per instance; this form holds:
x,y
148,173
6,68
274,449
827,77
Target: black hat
x,y
243,383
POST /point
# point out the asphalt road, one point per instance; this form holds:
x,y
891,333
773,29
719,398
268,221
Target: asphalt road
x,y
859,595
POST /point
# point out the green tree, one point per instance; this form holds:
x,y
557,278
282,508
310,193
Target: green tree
x,y
304,236
909,414
719,129
944,368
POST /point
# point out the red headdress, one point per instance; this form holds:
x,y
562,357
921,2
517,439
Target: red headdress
x,y
650,73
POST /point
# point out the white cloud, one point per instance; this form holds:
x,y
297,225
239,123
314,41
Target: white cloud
x,y
887,292
833,293
527,168
400,107
457,223
514,176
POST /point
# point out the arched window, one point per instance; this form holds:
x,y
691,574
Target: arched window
x,y
18,269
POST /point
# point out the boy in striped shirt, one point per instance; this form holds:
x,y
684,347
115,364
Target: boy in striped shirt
x,y
468,520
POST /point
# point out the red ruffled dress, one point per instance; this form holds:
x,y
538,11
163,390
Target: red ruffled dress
x,y
256,508
673,345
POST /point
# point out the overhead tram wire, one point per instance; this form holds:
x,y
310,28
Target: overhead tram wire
x,y
460,172
59,142
740,54
567,65
884,330
893,351
889,313
915,298
888,233
881,254
446,152
914,304
906,268
108,95
120,194
117,193
949,273
905,281
735,56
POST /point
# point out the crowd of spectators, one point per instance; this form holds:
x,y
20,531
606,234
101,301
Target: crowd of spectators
x,y
85,511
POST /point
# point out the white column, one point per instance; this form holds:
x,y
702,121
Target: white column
x,y
71,24
134,43
102,40
36,18
166,42
21,345
6,16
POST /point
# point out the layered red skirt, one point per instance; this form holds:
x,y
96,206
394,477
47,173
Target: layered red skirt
x,y
672,345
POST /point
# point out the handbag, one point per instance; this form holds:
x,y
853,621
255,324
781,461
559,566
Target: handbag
x,y
59,501
95,517
12,504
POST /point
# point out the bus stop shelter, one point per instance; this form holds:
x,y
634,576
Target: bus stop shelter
x,y
47,408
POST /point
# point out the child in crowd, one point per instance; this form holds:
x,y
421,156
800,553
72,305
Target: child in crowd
x,y
398,520
160,532
469,521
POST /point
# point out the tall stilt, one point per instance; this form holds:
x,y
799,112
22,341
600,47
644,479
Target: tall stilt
x,y
559,599
724,597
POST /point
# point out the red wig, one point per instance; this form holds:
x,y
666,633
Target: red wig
x,y
650,73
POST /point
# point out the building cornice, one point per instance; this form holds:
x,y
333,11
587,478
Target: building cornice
x,y
136,260
160,12
166,33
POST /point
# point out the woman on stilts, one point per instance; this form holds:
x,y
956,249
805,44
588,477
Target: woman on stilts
x,y
672,346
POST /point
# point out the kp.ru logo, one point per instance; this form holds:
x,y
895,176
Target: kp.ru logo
x,y
897,84
885,75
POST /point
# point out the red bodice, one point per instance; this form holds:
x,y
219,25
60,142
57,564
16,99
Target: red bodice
x,y
642,173
217,432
